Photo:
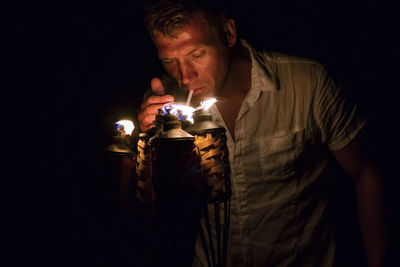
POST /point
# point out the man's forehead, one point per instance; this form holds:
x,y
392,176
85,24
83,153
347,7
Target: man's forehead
x,y
181,41
185,39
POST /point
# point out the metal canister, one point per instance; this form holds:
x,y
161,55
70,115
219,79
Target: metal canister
x,y
119,169
119,145
175,161
178,188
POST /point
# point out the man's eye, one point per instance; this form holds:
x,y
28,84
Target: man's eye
x,y
198,55
167,61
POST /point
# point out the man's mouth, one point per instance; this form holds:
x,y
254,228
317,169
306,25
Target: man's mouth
x,y
197,91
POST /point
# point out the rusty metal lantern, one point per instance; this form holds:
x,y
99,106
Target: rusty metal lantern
x,y
175,162
120,144
120,159
171,184
210,140
183,178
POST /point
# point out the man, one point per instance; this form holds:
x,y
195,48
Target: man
x,y
285,117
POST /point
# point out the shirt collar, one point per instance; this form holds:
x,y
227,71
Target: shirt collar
x,y
263,77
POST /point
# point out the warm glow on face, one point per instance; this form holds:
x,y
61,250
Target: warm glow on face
x,y
196,58
126,126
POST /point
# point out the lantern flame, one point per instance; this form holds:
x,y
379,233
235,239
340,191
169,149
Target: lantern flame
x,y
126,126
184,112
206,104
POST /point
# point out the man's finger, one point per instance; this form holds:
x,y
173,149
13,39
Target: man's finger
x,y
152,100
160,99
157,87
152,110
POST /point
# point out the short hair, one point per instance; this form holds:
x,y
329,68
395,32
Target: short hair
x,y
166,16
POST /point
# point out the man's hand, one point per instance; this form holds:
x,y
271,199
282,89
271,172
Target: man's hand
x,y
149,108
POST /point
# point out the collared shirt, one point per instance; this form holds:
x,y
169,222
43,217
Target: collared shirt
x,y
291,118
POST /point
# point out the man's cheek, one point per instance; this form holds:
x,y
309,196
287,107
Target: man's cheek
x,y
173,73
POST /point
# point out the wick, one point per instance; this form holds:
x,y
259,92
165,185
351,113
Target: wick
x,y
189,97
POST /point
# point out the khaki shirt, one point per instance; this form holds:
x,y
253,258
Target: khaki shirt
x,y
291,118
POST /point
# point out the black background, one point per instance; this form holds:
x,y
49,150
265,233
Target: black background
x,y
74,68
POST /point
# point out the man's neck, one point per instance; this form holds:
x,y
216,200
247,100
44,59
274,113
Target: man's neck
x,y
239,76
235,88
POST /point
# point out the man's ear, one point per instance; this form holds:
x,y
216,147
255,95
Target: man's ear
x,y
230,32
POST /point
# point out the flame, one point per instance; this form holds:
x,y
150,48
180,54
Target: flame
x,y
206,104
183,112
126,126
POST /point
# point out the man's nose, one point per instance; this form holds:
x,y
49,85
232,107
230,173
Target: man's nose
x,y
188,73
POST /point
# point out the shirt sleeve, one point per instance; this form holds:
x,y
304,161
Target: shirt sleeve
x,y
337,116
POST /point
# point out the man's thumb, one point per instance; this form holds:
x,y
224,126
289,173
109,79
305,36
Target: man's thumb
x,y
157,87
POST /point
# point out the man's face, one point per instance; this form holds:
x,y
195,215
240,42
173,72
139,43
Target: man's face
x,y
195,57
